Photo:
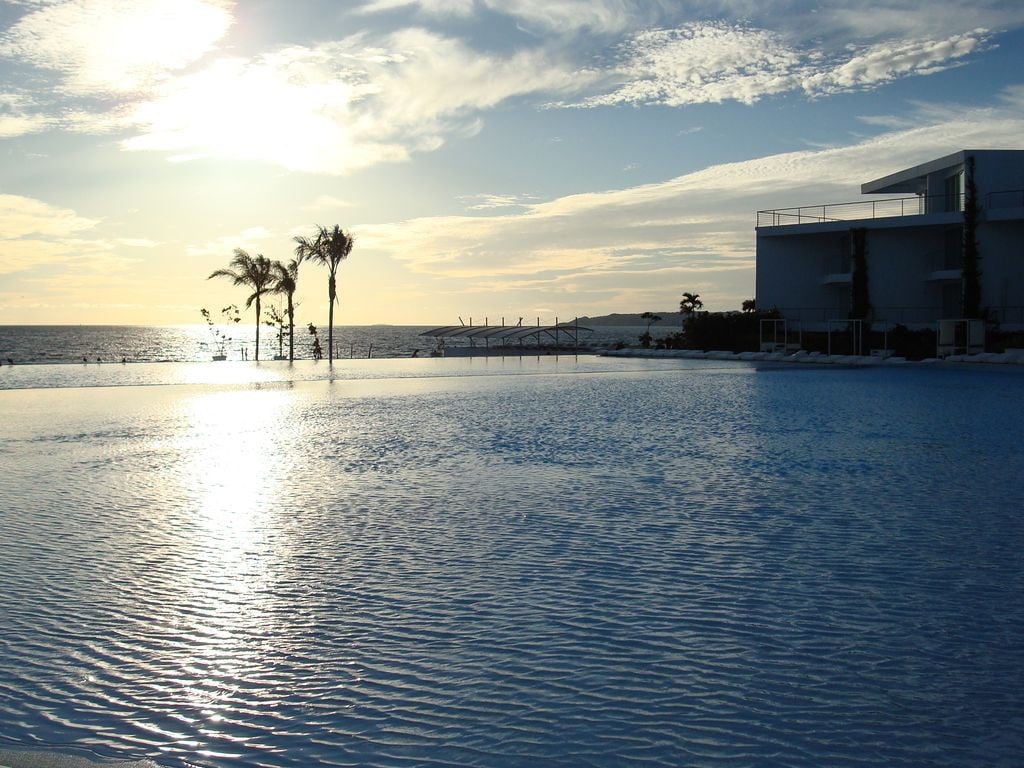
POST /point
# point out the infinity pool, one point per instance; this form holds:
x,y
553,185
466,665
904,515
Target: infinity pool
x,y
604,563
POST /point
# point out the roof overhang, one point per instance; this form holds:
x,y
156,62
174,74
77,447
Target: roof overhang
x,y
912,180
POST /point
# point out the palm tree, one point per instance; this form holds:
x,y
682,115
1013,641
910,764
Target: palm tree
x,y
690,303
286,279
651,318
329,247
253,272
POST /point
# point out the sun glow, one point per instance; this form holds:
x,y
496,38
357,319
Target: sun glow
x,y
275,111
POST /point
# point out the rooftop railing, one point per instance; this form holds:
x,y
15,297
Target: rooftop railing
x,y
861,210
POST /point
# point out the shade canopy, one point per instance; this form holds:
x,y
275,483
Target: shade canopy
x,y
504,333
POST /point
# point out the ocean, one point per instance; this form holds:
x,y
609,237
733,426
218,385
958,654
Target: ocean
x,y
196,343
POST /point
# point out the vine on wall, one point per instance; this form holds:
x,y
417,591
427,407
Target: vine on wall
x,y
972,259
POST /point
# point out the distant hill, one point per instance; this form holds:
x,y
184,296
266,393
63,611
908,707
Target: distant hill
x,y
618,318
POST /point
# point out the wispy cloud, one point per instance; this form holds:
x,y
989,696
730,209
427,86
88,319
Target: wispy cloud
x,y
637,235
485,202
894,19
26,216
35,234
713,62
337,107
104,47
17,116
883,62
433,7
150,72
601,16
831,21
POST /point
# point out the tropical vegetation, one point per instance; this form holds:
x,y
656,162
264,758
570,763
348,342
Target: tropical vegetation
x,y
252,272
860,298
972,259
689,304
219,339
286,280
651,319
277,321
328,247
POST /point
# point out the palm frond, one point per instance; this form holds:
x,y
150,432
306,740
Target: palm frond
x,y
223,273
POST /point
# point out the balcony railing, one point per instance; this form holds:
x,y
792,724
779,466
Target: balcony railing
x,y
861,210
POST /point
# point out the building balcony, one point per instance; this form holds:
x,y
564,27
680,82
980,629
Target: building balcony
x,y
995,206
861,210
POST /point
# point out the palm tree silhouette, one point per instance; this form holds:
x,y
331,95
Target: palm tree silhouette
x,y
253,272
286,279
689,304
329,247
651,318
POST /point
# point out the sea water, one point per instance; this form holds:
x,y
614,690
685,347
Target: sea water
x,y
591,563
30,344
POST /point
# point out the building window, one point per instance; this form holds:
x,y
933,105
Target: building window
x,y
954,192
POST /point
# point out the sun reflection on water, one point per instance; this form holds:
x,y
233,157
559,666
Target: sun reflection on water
x,y
228,557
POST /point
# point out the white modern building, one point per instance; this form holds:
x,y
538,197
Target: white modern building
x,y
913,223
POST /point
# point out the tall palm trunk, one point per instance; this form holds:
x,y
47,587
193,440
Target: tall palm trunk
x,y
291,329
257,328
331,292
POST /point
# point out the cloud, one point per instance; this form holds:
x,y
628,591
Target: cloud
x,y
888,19
433,7
25,216
600,16
692,230
336,107
104,47
887,61
833,22
224,245
143,69
713,62
17,116
35,234
485,202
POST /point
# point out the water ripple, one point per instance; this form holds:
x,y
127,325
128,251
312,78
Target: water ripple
x,y
732,567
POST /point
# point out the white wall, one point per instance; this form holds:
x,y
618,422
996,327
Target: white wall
x,y
792,261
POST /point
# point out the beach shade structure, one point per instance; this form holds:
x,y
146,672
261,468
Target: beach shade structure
x,y
559,336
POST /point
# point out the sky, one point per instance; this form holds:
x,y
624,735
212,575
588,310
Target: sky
x,y
492,158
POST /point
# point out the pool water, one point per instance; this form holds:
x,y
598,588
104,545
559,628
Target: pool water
x,y
597,563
